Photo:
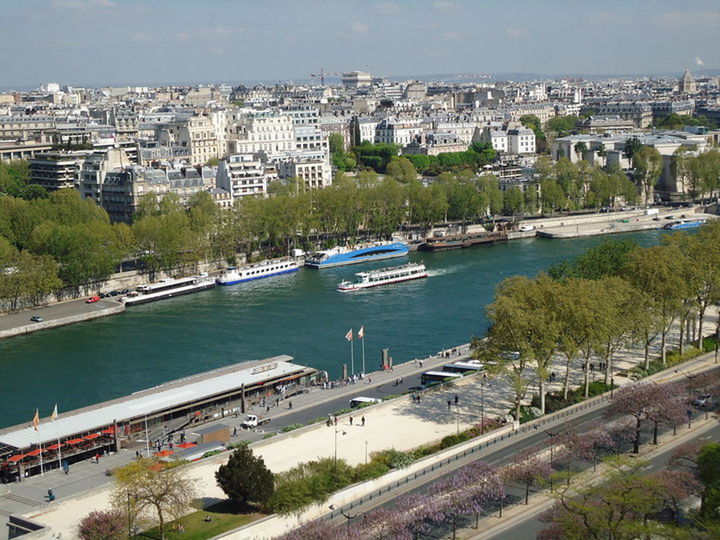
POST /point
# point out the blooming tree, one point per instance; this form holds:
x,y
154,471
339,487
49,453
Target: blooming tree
x,y
103,525
528,471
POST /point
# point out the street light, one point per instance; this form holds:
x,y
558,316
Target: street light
x,y
336,448
366,452
483,381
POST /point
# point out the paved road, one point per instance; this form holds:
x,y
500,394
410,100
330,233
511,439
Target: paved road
x,y
52,312
528,528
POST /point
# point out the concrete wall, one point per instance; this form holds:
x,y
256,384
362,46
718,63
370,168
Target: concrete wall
x,y
19,330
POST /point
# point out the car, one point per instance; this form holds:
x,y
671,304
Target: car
x,y
125,291
623,221
527,228
92,299
103,295
656,219
669,217
36,318
113,293
703,400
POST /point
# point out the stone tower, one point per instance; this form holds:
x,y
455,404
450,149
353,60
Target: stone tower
x,y
687,83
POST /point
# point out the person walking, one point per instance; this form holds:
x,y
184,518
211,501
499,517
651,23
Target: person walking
x,y
457,399
351,421
362,420
290,405
449,404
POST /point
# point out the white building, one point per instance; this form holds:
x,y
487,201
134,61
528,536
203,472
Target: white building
x,y
260,131
393,131
242,175
497,137
521,141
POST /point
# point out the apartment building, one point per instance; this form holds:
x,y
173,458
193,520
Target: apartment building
x,y
521,141
57,170
197,134
242,175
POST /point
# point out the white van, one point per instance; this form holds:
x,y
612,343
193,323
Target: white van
x,y
527,228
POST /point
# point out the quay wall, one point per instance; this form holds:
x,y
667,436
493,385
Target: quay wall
x,y
34,327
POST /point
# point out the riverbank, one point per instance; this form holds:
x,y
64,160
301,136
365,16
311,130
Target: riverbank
x,y
55,315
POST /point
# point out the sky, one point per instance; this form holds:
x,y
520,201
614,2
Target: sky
x,y
115,42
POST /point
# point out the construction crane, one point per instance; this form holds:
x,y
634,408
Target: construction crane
x,y
324,74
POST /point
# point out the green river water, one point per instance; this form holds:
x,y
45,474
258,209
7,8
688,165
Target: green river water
x,y
299,314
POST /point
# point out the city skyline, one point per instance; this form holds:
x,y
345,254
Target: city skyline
x,y
162,42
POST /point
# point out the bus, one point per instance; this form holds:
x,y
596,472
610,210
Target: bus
x,y
434,377
463,367
362,401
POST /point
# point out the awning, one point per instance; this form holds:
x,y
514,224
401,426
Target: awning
x,y
164,453
186,445
75,441
15,459
53,446
109,430
92,436
34,452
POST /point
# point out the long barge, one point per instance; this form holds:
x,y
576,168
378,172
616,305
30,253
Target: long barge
x,y
168,288
462,240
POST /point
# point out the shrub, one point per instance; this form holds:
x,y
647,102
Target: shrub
x,y
245,479
370,470
291,427
308,483
394,459
211,453
103,525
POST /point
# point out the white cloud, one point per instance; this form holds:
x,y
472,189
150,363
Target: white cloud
x,y
445,6
359,27
385,8
603,19
82,4
215,33
452,35
516,33
692,19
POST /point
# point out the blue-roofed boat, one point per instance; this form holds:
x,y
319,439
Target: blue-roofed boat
x,y
685,224
340,256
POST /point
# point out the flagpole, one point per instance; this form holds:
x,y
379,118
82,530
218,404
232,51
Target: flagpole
x,y
363,352
352,359
42,472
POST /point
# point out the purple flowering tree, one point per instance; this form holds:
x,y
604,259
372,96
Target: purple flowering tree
x,y
528,471
103,525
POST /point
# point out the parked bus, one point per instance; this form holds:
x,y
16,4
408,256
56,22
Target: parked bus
x,y
463,367
361,400
434,377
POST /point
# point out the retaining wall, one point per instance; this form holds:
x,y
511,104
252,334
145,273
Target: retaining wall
x,y
34,327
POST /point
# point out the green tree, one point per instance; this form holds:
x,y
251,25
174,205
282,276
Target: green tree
x,y
488,185
708,467
632,146
26,276
580,149
402,170
245,479
551,196
648,165
513,201
604,260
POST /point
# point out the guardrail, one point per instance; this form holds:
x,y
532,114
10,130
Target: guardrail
x,y
531,426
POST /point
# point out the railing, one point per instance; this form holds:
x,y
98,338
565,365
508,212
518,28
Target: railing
x,y
531,426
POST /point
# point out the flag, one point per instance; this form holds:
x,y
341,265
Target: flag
x,y
54,414
36,419
349,335
361,332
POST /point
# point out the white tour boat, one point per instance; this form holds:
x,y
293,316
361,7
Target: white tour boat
x,y
167,288
249,272
384,276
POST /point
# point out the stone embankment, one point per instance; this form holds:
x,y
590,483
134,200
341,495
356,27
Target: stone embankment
x,y
112,308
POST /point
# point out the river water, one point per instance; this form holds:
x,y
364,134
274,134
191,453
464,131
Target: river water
x,y
299,314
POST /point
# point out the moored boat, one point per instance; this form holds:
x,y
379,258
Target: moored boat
x,y
249,272
384,276
341,255
462,240
167,288
684,224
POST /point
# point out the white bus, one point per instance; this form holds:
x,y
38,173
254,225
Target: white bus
x,y
434,377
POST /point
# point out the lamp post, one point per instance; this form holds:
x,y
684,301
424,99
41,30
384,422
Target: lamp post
x,y
482,403
612,385
336,449
366,452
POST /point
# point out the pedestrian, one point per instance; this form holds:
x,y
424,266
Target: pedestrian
x,y
267,409
457,399
170,444
97,457
420,363
137,454
336,420
289,405
363,421
449,404
418,398
234,432
351,421
592,367
277,401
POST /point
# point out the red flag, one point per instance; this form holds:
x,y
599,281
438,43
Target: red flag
x,y
349,335
361,332
36,419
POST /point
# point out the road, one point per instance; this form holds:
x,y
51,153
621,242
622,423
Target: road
x,y
53,312
528,528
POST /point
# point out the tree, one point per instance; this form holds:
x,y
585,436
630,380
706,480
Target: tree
x,y
551,195
648,165
28,276
402,170
103,525
528,471
580,149
513,201
245,479
708,464
148,486
606,259
632,145
642,401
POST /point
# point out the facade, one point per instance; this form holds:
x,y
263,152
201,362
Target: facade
x,y
57,170
11,150
356,79
241,175
521,141
393,131
687,83
197,134
497,137
265,131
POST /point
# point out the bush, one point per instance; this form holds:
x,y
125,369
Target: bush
x,y
245,479
554,400
211,453
309,483
368,471
394,459
452,440
291,427
103,525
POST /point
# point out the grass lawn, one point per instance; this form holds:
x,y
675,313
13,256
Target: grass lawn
x,y
224,515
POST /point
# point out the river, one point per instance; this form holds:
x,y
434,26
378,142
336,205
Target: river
x,y
299,314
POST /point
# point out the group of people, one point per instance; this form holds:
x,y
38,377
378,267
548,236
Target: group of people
x,y
333,421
